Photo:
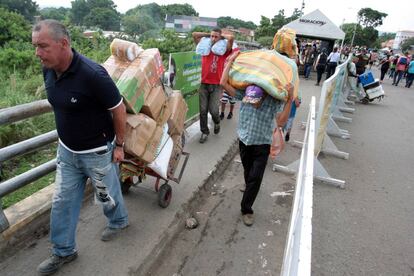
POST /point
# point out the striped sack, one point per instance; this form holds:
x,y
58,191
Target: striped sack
x,y
284,42
267,69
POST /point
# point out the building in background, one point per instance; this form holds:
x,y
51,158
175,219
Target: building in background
x,y
184,24
400,37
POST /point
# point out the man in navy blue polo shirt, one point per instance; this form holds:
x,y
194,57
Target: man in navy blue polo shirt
x,y
90,120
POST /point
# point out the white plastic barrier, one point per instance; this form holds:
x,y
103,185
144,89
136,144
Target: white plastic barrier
x,y
297,257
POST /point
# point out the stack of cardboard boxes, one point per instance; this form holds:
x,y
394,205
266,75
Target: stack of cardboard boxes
x,y
155,117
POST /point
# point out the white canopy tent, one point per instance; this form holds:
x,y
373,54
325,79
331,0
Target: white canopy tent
x,y
316,25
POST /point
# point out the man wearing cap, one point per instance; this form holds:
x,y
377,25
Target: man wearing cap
x,y
255,128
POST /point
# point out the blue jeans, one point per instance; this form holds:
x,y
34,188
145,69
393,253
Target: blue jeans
x,y
397,77
71,174
308,68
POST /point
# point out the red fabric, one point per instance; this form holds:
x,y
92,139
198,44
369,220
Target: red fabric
x,y
212,67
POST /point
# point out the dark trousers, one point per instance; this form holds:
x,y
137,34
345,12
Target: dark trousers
x,y
383,72
319,71
397,77
410,78
254,159
209,97
331,69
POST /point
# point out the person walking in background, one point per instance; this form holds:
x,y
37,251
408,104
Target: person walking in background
x,y
226,98
288,126
400,68
255,129
410,74
333,60
385,65
393,64
90,120
308,59
320,65
211,70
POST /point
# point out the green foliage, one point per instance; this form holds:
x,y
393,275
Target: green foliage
x,y
27,8
95,13
80,9
406,45
103,18
13,27
138,23
170,43
363,36
265,28
59,14
179,9
225,21
268,27
153,10
370,18
265,41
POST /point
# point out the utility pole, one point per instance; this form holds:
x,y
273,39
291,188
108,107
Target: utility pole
x,y
303,7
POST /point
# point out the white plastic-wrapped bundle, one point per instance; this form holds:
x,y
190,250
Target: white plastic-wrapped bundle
x,y
220,47
125,50
204,46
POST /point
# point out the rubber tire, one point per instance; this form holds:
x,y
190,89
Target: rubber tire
x,y
365,101
125,185
164,195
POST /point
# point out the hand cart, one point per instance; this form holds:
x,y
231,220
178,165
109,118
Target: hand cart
x,y
133,171
372,88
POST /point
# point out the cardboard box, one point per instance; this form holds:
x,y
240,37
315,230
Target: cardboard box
x,y
175,155
178,113
115,67
154,102
149,68
141,136
154,53
133,85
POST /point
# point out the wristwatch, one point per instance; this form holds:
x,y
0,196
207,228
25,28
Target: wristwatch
x,y
121,145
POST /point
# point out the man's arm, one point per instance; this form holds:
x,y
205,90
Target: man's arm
x,y
119,120
282,117
224,82
230,40
198,35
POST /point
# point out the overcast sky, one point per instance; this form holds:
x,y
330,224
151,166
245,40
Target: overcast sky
x,y
400,12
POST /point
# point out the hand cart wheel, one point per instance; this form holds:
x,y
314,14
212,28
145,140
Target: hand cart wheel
x,y
164,195
126,184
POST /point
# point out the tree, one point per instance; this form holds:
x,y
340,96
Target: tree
x,y
179,9
265,41
104,18
406,44
13,26
171,42
153,10
59,14
99,13
138,23
225,21
370,18
265,28
279,20
80,9
27,8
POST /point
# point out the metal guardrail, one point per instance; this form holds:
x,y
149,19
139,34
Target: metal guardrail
x,y
297,257
11,115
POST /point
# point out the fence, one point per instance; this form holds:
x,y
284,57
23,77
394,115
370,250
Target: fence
x,y
15,114
297,258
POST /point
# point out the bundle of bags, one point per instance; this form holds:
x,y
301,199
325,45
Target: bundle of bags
x,y
155,116
204,47
267,69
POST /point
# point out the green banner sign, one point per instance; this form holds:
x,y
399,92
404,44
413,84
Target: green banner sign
x,y
185,75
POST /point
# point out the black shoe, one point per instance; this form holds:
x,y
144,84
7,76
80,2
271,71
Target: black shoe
x,y
287,137
221,115
316,84
230,115
53,263
203,138
216,128
110,233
